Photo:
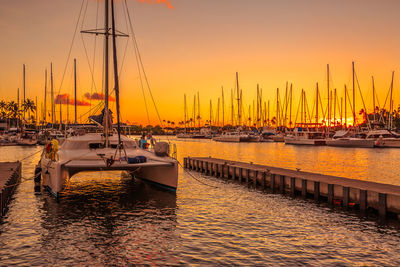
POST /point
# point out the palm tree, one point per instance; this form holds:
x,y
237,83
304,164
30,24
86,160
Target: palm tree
x,y
3,106
29,106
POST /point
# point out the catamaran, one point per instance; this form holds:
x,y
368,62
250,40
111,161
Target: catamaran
x,y
108,150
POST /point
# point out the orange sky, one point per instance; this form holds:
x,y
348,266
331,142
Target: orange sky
x,y
199,45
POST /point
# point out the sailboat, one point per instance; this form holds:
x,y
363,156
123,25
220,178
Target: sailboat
x,y
108,150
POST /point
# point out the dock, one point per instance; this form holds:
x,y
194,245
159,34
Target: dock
x,y
10,176
348,193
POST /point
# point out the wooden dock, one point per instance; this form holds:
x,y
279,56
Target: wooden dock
x,y
10,176
362,195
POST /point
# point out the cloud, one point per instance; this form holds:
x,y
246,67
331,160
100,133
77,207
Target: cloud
x,y
64,99
97,96
166,2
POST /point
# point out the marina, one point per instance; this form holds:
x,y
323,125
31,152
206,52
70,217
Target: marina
x,y
284,151
99,210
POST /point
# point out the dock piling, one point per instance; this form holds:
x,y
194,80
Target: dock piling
x,y
316,191
385,199
282,184
346,196
330,194
304,188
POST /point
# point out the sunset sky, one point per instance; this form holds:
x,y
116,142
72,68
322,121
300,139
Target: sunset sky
x,y
197,46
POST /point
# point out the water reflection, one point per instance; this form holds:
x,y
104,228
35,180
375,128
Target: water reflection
x,y
106,218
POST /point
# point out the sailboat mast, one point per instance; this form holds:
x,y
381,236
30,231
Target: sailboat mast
x,y
210,112
329,107
316,108
23,74
52,94
341,111
354,96
345,105
45,97
184,110
76,113
391,104
290,109
106,70
373,96
116,80
238,96
198,108
277,108
232,106
223,108
36,115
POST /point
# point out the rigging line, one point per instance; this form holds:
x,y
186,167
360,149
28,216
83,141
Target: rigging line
x,y
70,49
91,68
140,78
362,98
126,46
141,63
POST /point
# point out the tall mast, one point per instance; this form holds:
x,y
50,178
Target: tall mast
x,y
116,80
198,108
316,108
67,109
45,97
106,74
238,96
52,94
184,110
277,108
210,112
232,106
341,111
354,96
258,105
286,105
194,112
218,107
345,105
23,74
76,113
268,115
290,109
329,107
223,108
36,112
373,96
391,103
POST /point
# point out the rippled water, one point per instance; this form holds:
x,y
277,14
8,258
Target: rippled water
x,y
110,219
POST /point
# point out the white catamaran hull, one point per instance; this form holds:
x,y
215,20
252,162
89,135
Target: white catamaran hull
x,y
162,170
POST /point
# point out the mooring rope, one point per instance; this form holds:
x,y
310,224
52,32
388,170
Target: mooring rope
x,y
198,180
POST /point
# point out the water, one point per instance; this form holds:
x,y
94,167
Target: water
x,y
109,219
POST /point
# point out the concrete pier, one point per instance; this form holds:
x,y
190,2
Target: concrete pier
x,y
10,176
345,192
